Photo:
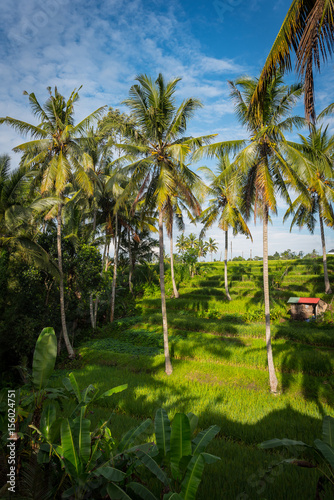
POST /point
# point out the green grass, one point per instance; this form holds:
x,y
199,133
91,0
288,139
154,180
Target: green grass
x,y
220,373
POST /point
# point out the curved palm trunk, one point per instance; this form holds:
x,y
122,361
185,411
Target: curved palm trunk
x,y
61,286
225,266
324,257
176,293
272,375
113,291
168,364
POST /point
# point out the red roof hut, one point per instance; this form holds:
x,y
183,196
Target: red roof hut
x,y
305,308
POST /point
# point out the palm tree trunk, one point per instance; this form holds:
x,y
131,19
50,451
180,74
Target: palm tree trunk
x,y
225,266
113,291
176,293
107,257
272,375
324,257
130,263
96,303
94,222
91,310
61,286
168,364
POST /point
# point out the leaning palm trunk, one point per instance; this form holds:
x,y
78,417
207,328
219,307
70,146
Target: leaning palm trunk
x,y
176,293
113,291
61,286
225,266
168,364
272,375
324,257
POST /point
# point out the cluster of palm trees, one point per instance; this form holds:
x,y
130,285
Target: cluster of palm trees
x,y
131,173
191,242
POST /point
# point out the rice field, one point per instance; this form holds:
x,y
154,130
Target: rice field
x,y
220,373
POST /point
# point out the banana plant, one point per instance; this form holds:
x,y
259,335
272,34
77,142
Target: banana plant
x,y
89,394
37,390
178,451
322,453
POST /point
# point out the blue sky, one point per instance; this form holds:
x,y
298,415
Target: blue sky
x,y
104,45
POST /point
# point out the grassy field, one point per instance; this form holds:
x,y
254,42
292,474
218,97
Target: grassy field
x,y
220,373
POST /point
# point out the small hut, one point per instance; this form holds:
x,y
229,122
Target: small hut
x,y
305,308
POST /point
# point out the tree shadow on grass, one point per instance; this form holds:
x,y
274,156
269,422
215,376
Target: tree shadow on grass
x,y
307,367
240,469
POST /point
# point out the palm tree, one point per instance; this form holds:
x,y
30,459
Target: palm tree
x,y
260,167
308,31
181,243
56,151
18,214
314,156
192,241
212,246
202,248
224,205
161,170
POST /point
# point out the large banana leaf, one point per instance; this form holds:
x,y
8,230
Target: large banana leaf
x,y
68,449
326,451
85,392
192,478
162,431
81,434
328,430
71,385
48,417
210,459
110,473
193,420
112,391
141,491
152,466
132,434
180,442
116,493
44,358
274,443
203,439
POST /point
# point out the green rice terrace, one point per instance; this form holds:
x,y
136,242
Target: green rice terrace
x,y
220,372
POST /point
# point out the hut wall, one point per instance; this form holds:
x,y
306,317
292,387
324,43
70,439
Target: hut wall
x,y
302,311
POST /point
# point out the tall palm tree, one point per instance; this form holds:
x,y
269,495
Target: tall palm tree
x,y
224,206
159,173
308,31
55,150
260,167
315,156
